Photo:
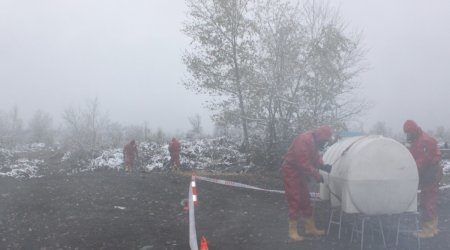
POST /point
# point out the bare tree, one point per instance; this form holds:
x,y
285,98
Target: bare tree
x,y
134,132
11,127
279,43
306,70
75,132
41,128
220,61
4,128
333,59
85,127
278,40
278,67
160,137
380,128
442,134
196,124
147,131
114,135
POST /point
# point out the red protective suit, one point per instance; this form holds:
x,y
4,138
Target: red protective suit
x,y
130,152
174,150
427,155
302,160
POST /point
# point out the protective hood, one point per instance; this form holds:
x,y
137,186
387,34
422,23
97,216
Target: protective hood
x,y
410,127
323,133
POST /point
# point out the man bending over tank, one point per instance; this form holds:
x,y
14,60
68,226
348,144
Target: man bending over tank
x,y
303,160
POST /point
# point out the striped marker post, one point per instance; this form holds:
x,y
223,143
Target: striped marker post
x,y
194,189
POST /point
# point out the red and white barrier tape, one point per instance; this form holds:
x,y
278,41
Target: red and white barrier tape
x,y
315,196
192,231
237,184
194,190
193,202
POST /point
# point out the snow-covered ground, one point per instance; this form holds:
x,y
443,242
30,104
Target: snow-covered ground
x,y
446,166
23,168
19,168
217,154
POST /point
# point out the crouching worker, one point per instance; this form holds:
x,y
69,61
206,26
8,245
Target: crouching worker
x,y
303,159
427,155
130,153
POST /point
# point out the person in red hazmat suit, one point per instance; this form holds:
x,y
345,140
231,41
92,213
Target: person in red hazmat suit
x,y
174,150
130,153
427,155
302,160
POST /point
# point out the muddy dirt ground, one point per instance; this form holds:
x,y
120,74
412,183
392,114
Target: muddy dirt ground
x,y
108,209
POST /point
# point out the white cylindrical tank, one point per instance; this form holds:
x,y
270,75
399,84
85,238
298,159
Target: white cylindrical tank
x,y
370,175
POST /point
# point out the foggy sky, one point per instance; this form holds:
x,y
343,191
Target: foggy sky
x,y
409,57
56,54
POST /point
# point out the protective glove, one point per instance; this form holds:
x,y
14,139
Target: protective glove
x,y
320,179
326,168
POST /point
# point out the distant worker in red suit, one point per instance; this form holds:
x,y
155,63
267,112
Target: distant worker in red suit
x,y
303,160
427,155
130,153
174,150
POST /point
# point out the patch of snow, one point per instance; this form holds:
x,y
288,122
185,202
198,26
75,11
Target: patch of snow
x,y
108,159
37,145
23,168
446,166
6,157
217,153
66,156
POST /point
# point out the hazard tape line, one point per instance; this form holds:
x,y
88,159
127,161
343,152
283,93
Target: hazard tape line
x,y
236,184
241,185
193,200
315,196
194,190
192,231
